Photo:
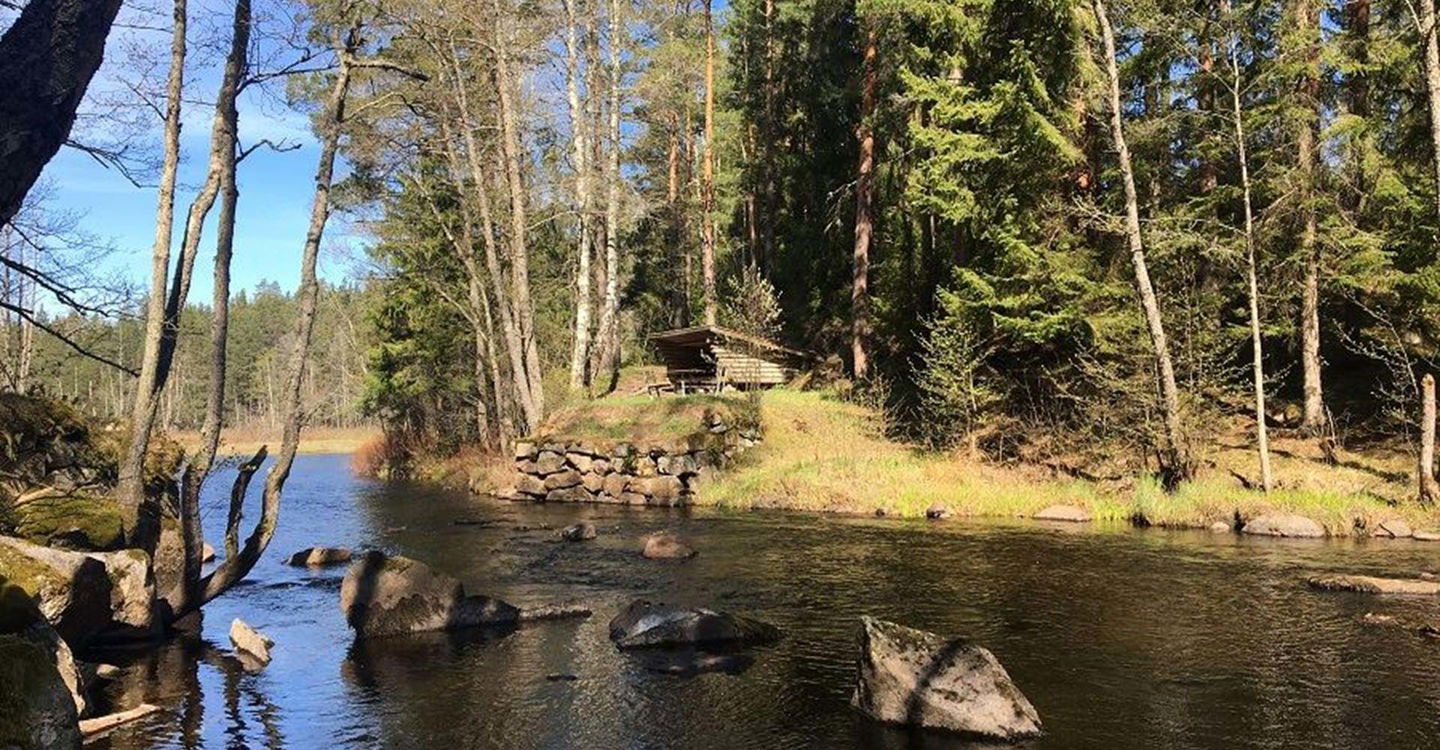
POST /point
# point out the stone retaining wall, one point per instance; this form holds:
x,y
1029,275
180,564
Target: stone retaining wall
x,y
663,474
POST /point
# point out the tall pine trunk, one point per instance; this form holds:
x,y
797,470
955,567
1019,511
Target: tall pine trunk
x,y
864,213
1432,85
1313,419
1262,437
707,177
1174,463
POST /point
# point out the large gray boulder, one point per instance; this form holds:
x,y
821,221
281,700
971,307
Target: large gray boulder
x,y
385,595
921,679
41,693
87,597
645,624
1283,524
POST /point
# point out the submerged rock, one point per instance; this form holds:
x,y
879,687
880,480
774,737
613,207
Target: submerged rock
x,y
1376,585
1221,527
666,546
384,595
85,596
1283,524
579,532
316,557
645,624
252,646
1068,513
920,679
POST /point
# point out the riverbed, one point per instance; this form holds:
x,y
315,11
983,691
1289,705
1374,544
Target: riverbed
x,y
1121,638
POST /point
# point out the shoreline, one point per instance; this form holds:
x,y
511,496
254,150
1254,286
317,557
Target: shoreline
x,y
314,441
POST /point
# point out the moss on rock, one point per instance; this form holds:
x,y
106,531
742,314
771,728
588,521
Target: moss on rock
x,y
71,520
36,709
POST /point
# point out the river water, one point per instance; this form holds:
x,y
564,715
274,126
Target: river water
x,y
1121,638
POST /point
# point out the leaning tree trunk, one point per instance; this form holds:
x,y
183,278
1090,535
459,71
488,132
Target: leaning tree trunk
x,y
141,516
238,562
47,58
1262,438
707,176
1174,464
580,351
608,363
864,214
223,158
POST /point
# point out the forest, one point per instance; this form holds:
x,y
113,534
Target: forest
x,y
1033,229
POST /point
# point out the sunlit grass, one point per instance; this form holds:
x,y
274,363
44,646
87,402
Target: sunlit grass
x,y
821,453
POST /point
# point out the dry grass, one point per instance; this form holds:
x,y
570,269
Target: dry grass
x,y
824,454
638,419
247,440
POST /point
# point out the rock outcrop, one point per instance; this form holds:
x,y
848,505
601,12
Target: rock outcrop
x,y
252,646
319,557
1284,525
1376,585
920,679
645,624
88,597
41,692
384,595
1067,513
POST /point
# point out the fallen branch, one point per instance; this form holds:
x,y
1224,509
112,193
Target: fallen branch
x,y
94,728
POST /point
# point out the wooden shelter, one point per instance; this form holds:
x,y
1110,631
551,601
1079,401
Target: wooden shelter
x,y
713,359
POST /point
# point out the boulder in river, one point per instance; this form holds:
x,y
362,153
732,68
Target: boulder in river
x,y
579,532
664,545
385,595
1283,524
921,679
252,646
937,511
1068,513
318,557
86,596
644,624
1376,585
1426,535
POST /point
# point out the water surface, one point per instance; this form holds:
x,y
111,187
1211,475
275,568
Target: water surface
x,y
1121,638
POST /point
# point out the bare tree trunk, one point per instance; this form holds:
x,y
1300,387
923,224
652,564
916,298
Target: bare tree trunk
x,y
141,518
224,142
240,560
47,58
1426,469
580,352
510,148
707,176
1262,437
768,145
1174,461
864,219
608,363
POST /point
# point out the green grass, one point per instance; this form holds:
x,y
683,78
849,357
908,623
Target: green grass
x,y
824,454
641,419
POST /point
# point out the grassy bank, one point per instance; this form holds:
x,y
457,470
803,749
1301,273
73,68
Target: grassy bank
x,y
824,454
245,441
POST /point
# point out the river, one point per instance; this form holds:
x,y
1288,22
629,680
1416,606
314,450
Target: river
x,y
1121,638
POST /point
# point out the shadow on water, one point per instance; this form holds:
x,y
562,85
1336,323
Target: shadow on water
x,y
1123,640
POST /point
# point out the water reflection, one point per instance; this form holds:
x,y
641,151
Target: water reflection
x,y
1121,639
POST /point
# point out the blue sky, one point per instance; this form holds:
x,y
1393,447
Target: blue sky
x,y
275,187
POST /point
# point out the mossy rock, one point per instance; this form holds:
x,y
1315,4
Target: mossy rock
x,y
79,521
85,595
36,709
